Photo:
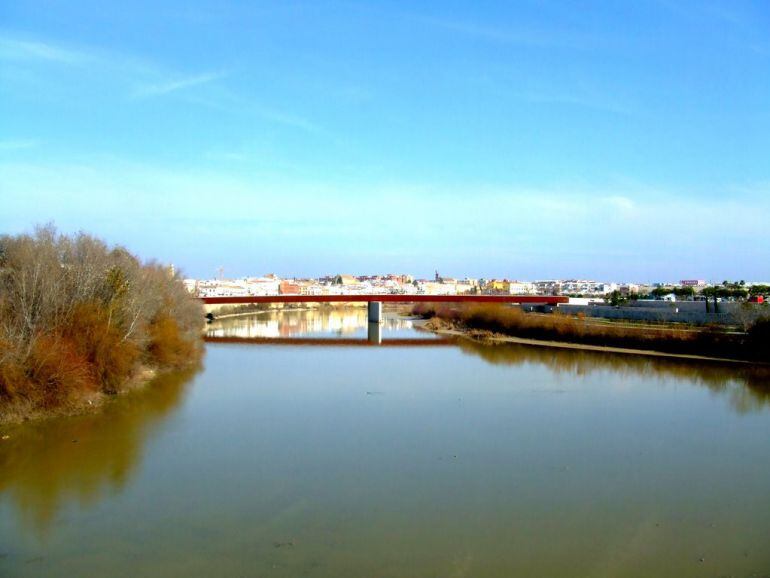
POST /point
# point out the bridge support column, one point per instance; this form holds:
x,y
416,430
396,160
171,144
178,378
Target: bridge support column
x,y
374,333
375,311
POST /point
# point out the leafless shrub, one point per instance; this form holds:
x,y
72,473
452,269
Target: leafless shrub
x,y
78,316
558,327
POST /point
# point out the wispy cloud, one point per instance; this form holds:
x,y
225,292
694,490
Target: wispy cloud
x,y
288,119
524,36
620,203
726,13
176,84
230,156
148,78
12,49
574,90
16,145
312,220
762,49
585,100
231,102
143,79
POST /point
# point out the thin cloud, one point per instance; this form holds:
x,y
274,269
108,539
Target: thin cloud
x,y
635,239
124,67
150,80
621,203
726,14
288,119
11,49
229,102
596,102
16,145
169,86
227,156
522,37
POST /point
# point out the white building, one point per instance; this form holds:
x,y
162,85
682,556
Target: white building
x,y
522,288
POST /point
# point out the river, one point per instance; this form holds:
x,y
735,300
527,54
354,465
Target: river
x,y
313,444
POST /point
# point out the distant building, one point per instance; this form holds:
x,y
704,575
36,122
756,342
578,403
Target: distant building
x,y
346,280
498,286
629,289
434,288
262,285
586,287
521,288
289,288
692,283
548,287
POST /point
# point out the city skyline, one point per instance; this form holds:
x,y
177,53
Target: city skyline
x,y
220,275
624,143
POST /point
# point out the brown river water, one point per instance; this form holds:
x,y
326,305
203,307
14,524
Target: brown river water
x,y
313,444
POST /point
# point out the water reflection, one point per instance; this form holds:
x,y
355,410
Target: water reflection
x,y
374,333
441,461
82,459
320,323
748,387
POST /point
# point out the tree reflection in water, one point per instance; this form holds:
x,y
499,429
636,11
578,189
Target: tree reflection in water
x,y
748,386
48,464
45,466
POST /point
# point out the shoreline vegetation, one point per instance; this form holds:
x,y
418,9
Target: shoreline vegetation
x,y
498,323
81,322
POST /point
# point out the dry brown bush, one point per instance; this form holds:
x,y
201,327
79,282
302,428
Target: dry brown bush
x,y
168,345
78,317
558,327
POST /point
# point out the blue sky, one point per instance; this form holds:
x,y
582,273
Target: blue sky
x,y
612,140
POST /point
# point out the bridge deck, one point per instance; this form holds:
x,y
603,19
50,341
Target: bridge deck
x,y
536,299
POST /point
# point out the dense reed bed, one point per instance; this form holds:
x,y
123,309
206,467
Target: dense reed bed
x,y
752,345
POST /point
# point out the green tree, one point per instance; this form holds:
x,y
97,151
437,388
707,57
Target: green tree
x,y
616,298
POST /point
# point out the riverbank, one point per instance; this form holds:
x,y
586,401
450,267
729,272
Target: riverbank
x,y
491,324
490,338
81,322
23,410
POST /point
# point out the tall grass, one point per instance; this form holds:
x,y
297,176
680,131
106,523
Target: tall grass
x,y
576,329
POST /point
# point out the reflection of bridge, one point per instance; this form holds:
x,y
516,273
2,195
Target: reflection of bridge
x,y
333,342
375,301
373,337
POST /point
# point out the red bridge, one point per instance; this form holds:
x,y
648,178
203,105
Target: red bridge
x,y
358,298
376,301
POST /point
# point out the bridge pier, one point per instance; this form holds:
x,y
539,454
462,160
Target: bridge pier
x,y
374,333
375,311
